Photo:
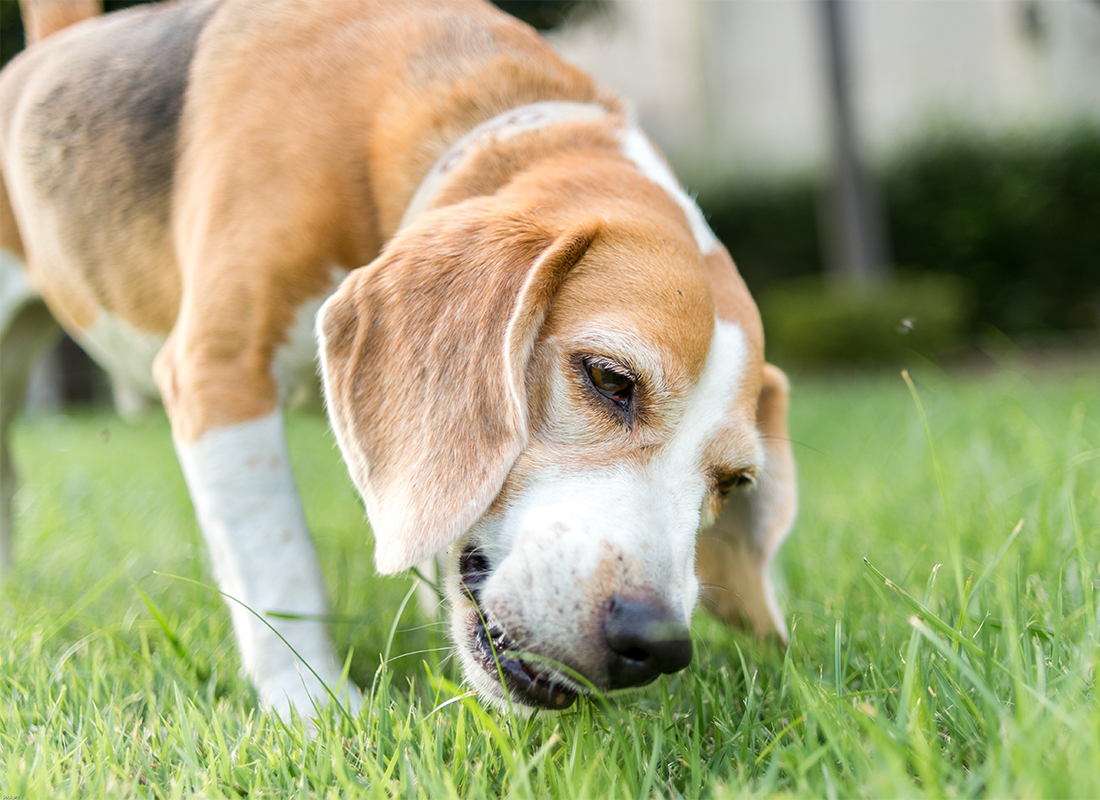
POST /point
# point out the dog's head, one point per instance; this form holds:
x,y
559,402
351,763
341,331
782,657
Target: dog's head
x,y
560,405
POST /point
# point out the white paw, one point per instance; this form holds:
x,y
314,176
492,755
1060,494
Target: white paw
x,y
301,691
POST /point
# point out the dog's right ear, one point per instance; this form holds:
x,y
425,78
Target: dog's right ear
x,y
423,358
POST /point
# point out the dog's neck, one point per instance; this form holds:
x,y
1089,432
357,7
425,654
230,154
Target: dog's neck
x,y
499,129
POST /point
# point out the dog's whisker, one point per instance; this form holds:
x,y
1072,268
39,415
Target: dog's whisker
x,y
427,626
425,651
717,587
710,600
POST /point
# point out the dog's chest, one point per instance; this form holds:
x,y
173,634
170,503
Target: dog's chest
x,y
127,353
295,362
124,351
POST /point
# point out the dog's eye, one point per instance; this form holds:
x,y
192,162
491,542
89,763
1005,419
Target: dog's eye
x,y
612,384
725,484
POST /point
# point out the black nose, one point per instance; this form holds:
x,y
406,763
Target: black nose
x,y
645,639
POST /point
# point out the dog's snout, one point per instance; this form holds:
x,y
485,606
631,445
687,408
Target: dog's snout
x,y
646,640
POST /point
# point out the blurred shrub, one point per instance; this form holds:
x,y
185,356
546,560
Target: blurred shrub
x,y
11,31
549,14
771,231
1018,222
813,321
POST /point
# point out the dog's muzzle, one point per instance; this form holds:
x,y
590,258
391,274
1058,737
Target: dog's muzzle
x,y
642,640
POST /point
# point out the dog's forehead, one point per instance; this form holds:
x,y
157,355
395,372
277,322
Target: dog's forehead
x,y
650,291
643,294
675,317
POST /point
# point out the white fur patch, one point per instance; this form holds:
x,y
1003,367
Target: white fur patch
x,y
295,362
128,353
248,507
637,147
15,290
124,351
709,405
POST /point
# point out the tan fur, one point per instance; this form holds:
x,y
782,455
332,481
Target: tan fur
x,y
250,233
10,239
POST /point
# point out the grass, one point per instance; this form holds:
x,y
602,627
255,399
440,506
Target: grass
x,y
939,647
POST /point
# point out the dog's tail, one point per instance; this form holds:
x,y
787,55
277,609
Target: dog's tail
x,y
44,17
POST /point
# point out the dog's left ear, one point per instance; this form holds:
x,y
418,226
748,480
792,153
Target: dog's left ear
x,y
734,556
423,357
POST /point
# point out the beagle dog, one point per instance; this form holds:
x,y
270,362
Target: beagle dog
x,y
548,374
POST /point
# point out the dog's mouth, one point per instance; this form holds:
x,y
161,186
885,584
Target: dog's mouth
x,y
524,682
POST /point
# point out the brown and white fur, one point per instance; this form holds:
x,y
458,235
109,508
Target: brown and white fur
x,y
548,373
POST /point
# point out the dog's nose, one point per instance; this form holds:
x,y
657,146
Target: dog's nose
x,y
645,639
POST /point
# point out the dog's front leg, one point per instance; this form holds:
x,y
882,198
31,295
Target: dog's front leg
x,y
229,436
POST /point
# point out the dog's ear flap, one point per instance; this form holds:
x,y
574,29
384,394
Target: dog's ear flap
x,y
423,358
734,557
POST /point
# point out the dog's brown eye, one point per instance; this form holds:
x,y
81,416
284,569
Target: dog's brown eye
x,y
727,483
611,384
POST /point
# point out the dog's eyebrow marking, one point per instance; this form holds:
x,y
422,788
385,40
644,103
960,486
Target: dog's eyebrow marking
x,y
646,361
637,147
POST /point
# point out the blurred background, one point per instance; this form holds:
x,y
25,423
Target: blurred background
x,y
891,176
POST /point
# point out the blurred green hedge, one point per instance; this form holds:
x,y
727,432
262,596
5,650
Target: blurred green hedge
x,y
812,321
1016,223
1020,223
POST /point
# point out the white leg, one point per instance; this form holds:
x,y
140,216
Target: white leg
x,y
251,516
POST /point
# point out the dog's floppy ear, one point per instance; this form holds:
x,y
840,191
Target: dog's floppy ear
x,y
735,556
423,357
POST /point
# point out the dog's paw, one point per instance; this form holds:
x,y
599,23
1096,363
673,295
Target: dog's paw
x,y
301,693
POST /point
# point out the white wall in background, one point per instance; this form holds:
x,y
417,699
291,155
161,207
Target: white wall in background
x,y
734,89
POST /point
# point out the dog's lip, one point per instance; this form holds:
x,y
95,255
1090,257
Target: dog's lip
x,y
522,681
494,650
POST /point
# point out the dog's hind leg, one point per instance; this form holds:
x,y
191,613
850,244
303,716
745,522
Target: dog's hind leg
x,y
26,330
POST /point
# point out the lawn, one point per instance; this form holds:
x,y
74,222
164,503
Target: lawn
x,y
941,585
